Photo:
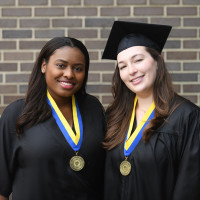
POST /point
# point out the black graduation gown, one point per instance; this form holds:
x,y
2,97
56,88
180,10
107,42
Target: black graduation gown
x,y
167,167
35,166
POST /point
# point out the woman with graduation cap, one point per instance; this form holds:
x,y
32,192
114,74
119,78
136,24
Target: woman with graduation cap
x,y
153,134
51,142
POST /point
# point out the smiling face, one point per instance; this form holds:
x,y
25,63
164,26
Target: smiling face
x,y
64,72
137,70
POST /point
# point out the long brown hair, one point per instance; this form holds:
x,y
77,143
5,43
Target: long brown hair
x,y
119,112
36,107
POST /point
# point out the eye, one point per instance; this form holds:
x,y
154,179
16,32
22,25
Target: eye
x,y
138,60
60,65
78,68
122,67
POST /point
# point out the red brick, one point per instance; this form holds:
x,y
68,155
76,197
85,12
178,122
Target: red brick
x,y
167,21
23,89
26,67
98,2
102,66
82,33
99,22
164,2
191,2
192,98
7,2
177,88
134,19
171,66
191,22
34,23
136,2
32,3
107,99
173,55
6,89
18,56
16,12
31,44
124,11
184,11
94,77
191,66
82,11
2,109
172,44
98,88
191,44
146,11
107,77
7,45
93,55
184,77
8,23
49,12
17,33
95,44
6,67
11,98
67,22
49,33
105,33
66,2
191,88
183,33
17,78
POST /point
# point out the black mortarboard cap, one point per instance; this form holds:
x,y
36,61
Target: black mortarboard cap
x,y
128,34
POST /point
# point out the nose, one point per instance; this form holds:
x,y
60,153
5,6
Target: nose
x,y
131,68
68,73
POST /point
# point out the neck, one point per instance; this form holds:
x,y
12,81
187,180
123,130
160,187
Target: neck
x,y
144,102
66,102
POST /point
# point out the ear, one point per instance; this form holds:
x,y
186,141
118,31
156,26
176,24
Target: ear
x,y
43,67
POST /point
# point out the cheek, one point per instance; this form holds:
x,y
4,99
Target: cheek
x,y
80,77
122,75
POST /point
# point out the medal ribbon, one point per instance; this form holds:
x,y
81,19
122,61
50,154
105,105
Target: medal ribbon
x,y
75,140
132,140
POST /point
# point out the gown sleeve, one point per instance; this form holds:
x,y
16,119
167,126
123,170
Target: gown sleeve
x,y
5,176
188,171
8,146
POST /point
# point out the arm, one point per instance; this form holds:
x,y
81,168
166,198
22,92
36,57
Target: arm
x,y
3,198
188,174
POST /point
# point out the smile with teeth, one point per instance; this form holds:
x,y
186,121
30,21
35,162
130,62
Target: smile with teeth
x,y
68,84
134,80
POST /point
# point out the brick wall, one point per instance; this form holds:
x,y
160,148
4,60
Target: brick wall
x,y
25,25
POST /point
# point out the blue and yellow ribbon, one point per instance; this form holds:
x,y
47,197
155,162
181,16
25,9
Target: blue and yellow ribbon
x,y
75,140
131,141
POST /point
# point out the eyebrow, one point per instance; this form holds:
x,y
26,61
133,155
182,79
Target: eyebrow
x,y
131,58
64,61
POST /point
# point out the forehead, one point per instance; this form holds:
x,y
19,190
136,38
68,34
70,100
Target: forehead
x,y
69,53
130,52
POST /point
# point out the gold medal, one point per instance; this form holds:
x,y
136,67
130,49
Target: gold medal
x,y
125,167
77,163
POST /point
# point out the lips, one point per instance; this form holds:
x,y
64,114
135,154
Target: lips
x,y
137,79
66,84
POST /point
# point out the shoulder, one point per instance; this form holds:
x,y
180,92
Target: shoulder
x,y
185,114
14,109
185,108
90,104
89,100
